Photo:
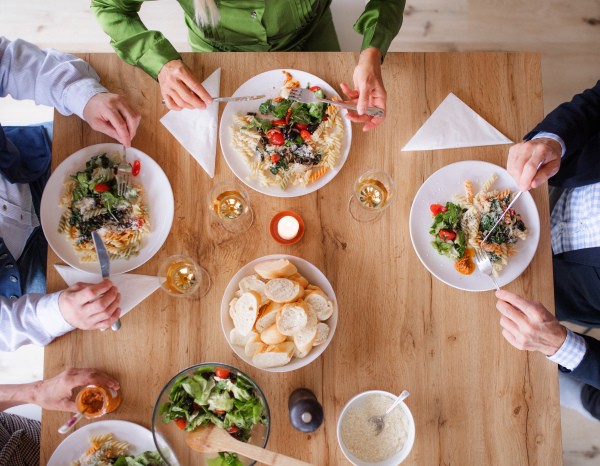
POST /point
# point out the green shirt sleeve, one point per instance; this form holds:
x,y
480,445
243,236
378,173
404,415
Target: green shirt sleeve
x,y
380,23
132,41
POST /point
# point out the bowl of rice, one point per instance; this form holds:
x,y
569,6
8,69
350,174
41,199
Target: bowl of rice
x,y
356,435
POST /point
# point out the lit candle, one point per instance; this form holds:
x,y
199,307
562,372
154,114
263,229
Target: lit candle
x,y
288,227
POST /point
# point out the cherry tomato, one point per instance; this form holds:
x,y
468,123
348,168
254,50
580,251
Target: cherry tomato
x,y
314,88
300,126
305,135
101,187
181,423
135,169
275,158
222,373
278,122
220,412
436,209
447,235
275,137
325,117
232,429
288,116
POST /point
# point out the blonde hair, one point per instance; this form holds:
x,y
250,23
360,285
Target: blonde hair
x,y
207,13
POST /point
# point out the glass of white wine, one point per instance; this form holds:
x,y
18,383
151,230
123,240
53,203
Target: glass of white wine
x,y
230,205
373,193
182,276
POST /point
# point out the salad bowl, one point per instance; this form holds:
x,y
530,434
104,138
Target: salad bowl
x,y
203,380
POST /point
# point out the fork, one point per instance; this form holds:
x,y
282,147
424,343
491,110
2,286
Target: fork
x,y
123,172
485,265
306,96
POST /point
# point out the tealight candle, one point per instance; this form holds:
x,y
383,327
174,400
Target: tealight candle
x,y
288,227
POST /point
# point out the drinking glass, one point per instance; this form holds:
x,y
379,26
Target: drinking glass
x,y
229,203
373,193
181,276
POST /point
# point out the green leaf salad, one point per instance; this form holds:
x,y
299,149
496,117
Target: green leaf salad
x,y
449,239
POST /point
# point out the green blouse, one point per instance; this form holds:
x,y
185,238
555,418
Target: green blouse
x,y
245,26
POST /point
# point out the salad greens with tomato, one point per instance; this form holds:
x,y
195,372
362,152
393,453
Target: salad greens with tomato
x,y
449,239
215,395
286,133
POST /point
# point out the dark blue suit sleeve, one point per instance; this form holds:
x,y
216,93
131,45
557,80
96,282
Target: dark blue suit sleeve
x,y
576,122
588,370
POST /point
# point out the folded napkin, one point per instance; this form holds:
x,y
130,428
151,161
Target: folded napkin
x,y
196,130
133,288
454,124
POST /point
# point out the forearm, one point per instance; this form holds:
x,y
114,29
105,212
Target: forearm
x,y
380,23
17,394
130,38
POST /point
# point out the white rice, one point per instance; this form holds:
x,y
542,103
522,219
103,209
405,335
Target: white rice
x,y
358,435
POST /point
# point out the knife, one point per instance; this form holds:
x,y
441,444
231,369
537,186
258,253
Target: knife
x,y
235,99
104,265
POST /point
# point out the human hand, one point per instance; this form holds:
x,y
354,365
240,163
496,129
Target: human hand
x,y
180,88
528,325
523,159
89,307
368,89
111,114
57,393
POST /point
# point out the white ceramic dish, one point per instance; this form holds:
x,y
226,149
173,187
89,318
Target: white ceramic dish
x,y
392,460
157,195
439,189
314,277
139,438
269,83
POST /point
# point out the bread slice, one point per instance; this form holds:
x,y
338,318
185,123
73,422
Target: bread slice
x,y
313,288
303,282
237,339
305,338
246,311
267,316
322,334
301,354
272,336
292,318
273,355
232,307
280,268
282,290
320,303
252,345
238,293
254,283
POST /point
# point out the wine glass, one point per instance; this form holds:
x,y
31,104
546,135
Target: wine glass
x,y
181,276
373,193
230,205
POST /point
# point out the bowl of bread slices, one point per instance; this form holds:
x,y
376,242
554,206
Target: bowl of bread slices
x,y
279,313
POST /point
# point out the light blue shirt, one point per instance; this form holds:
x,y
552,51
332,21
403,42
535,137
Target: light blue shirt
x,y
67,83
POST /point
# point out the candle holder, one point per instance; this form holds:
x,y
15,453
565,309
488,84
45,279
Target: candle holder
x,y
274,230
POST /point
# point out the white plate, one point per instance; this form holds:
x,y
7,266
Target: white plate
x,y
314,277
76,444
157,195
269,83
439,189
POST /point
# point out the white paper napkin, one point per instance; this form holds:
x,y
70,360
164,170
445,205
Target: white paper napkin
x,y
196,130
133,288
454,124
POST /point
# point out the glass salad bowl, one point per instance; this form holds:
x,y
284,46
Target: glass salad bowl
x,y
247,402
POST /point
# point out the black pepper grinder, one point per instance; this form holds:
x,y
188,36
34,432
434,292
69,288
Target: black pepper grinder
x,y
306,413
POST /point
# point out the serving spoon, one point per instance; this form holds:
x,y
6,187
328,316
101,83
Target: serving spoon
x,y
378,420
212,439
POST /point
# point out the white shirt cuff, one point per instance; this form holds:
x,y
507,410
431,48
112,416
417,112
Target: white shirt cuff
x,y
78,94
571,353
48,313
557,138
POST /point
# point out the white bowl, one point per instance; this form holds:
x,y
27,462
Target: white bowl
x,y
314,277
392,460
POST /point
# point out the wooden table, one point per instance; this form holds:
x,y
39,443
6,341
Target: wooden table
x,y
475,399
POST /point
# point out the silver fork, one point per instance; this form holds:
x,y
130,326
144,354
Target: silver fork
x,y
123,172
306,96
484,264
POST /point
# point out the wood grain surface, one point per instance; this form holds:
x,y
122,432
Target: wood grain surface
x,y
475,399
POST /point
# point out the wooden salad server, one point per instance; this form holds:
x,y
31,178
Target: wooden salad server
x,y
212,439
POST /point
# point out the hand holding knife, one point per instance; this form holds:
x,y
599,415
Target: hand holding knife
x,y
104,261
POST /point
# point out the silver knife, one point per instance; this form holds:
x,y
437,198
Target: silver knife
x,y
236,99
104,265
